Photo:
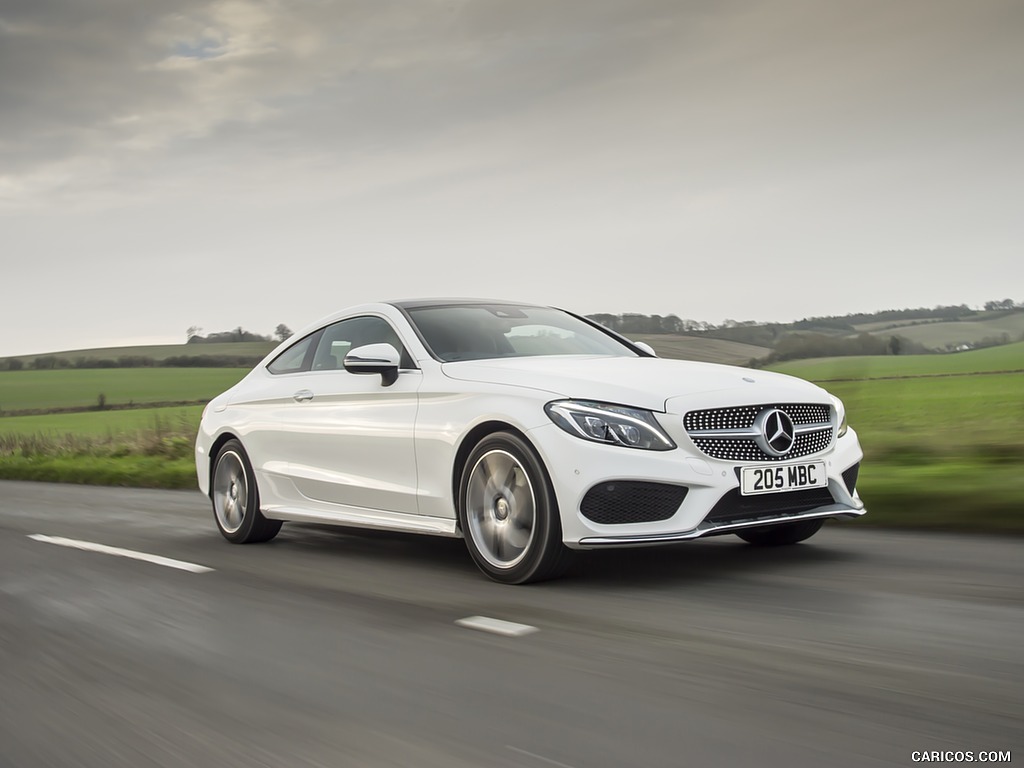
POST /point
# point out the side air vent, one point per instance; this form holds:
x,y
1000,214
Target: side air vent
x,y
850,477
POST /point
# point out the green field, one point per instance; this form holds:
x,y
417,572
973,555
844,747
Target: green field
x,y
104,423
81,388
1009,357
940,416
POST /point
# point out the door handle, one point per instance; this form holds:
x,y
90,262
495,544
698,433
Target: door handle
x,y
303,396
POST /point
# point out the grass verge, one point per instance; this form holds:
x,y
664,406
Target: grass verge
x,y
128,471
952,495
159,456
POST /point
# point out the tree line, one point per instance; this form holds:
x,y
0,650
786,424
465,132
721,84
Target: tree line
x,y
55,362
632,322
808,345
194,335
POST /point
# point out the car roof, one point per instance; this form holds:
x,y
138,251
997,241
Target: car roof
x,y
422,303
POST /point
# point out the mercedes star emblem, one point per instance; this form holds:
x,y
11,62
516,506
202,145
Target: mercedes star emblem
x,y
776,433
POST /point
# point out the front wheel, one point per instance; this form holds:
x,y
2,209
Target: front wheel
x,y
236,499
508,513
781,535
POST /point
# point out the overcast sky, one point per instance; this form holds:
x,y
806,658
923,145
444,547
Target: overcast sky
x,y
167,164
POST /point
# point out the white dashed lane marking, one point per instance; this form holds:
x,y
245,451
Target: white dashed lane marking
x,y
89,546
535,756
496,626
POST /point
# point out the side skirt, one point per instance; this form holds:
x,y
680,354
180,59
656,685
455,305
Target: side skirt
x,y
360,517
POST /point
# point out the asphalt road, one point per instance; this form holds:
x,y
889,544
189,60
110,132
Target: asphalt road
x,y
336,648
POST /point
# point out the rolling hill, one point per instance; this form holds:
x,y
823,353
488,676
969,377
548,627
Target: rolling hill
x,y
940,335
702,349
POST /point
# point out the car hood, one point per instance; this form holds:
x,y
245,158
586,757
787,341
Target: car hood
x,y
643,382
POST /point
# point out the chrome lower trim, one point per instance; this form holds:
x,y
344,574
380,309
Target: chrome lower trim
x,y
359,517
708,529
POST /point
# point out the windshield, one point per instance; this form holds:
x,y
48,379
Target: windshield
x,y
481,331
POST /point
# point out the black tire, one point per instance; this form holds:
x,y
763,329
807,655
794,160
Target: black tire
x,y
781,535
508,512
236,498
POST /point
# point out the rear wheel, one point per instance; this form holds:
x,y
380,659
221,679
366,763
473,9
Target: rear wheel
x,y
508,512
236,499
781,535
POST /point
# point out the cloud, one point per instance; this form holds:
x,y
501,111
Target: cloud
x,y
96,92
160,141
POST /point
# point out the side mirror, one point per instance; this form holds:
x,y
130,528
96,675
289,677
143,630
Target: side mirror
x,y
645,347
374,358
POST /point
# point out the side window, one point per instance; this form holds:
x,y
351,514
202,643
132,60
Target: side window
x,y
339,338
292,359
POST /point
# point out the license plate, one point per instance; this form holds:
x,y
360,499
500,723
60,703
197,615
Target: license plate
x,y
778,478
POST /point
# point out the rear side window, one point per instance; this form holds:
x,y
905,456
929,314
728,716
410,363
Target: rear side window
x,y
293,359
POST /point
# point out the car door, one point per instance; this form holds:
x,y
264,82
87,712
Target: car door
x,y
350,435
263,409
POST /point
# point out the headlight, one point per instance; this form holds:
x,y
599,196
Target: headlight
x,y
841,413
611,424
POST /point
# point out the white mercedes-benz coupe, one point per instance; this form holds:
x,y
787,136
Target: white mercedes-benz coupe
x,y
526,430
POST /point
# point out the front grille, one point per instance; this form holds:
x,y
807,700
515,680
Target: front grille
x,y
626,501
734,507
850,477
744,448
743,417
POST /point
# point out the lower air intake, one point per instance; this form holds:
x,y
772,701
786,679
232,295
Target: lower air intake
x,y
626,501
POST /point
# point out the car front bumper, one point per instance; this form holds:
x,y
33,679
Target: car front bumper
x,y
576,466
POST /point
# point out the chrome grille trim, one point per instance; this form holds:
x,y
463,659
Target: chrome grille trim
x,y
740,433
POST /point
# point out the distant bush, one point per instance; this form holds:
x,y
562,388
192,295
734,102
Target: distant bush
x,y
222,337
809,345
992,341
96,362
49,362
832,323
210,361
135,361
631,322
